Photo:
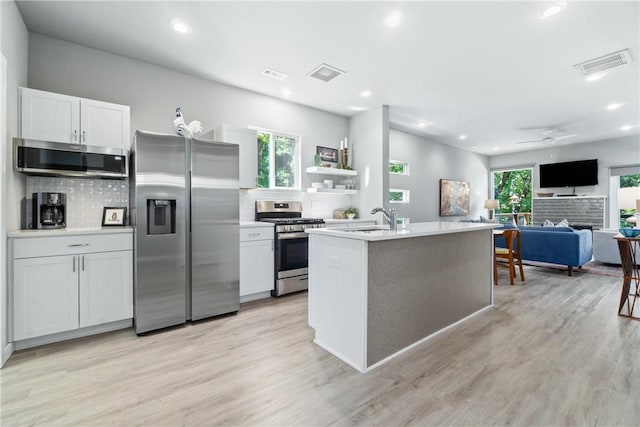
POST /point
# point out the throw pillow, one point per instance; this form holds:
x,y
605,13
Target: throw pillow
x,y
563,223
547,223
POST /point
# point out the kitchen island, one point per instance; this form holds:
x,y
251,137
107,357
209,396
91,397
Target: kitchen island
x,y
375,293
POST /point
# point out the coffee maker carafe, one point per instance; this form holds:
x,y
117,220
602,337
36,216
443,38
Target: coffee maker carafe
x,y
48,210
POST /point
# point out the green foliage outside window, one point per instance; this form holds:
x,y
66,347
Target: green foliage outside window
x,y
513,190
627,181
277,163
397,167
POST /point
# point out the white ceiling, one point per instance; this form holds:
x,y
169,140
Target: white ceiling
x,y
489,70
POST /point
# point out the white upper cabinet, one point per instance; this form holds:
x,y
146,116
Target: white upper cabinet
x,y
55,117
104,124
50,116
247,139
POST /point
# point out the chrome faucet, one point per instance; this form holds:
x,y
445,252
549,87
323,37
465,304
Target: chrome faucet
x,y
391,217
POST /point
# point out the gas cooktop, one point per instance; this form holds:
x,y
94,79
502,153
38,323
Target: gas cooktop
x,y
287,221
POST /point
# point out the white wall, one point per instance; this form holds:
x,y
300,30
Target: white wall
x,y
611,152
428,163
154,92
14,42
369,141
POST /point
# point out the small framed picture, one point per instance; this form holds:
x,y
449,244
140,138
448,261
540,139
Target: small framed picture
x,y
327,154
113,216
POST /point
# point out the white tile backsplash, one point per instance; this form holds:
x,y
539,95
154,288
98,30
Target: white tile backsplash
x,y
85,197
314,205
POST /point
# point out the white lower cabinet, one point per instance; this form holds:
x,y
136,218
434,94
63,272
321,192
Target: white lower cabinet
x,y
45,299
106,293
91,284
256,261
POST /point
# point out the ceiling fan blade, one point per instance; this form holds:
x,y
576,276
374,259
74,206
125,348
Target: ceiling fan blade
x,y
528,142
558,138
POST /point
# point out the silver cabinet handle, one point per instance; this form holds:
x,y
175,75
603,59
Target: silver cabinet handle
x,y
78,244
272,246
74,263
254,234
75,135
84,136
82,262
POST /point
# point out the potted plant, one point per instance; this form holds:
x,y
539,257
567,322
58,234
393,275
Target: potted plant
x,y
351,213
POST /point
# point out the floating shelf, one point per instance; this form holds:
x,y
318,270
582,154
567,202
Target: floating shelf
x,y
331,171
331,190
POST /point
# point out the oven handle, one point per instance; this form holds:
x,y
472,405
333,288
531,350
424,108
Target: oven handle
x,y
284,236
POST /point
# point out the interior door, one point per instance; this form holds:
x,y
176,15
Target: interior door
x,y
215,232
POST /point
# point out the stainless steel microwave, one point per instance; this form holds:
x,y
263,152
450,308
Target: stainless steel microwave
x,y
58,159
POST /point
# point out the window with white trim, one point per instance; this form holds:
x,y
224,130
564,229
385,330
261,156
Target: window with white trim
x,y
398,167
398,196
278,160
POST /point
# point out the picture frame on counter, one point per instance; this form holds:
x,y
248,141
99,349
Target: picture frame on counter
x,y
327,154
114,216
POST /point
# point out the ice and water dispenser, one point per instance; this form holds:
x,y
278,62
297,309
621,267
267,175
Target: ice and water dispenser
x,y
161,216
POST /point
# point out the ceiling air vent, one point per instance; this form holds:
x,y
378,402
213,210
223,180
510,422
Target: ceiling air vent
x,y
325,72
605,62
274,74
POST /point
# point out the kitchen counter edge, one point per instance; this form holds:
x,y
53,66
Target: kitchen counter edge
x,y
68,232
413,230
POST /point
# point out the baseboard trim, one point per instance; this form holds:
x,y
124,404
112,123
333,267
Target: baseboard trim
x,y
77,333
256,296
7,351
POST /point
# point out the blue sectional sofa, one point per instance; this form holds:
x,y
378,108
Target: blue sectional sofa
x,y
554,245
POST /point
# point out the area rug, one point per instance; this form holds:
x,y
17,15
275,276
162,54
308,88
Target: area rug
x,y
592,267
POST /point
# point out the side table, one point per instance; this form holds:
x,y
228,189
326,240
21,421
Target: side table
x,y
629,247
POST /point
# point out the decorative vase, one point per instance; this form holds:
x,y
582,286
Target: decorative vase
x,y
351,216
317,160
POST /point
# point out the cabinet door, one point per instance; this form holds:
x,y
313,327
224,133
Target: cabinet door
x,y
106,287
247,139
256,267
49,116
104,124
45,299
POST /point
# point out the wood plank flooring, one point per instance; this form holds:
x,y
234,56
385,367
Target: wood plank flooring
x,y
551,352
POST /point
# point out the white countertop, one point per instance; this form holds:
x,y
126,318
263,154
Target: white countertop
x,y
252,224
412,230
69,232
344,221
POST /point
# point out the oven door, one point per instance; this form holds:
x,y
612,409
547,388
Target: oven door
x,y
292,252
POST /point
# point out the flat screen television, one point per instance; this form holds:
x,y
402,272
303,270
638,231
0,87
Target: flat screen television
x,y
569,174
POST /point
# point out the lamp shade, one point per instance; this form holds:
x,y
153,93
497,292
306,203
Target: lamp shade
x,y
628,198
491,204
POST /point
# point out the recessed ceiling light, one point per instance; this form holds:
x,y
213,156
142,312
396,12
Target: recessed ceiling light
x,y
553,9
365,93
274,74
496,148
356,108
180,26
626,127
423,124
613,106
462,137
286,92
595,77
394,19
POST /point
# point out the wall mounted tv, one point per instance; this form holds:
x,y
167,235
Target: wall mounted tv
x,y
569,174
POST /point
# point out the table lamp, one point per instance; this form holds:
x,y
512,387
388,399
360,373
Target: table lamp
x,y
629,198
491,204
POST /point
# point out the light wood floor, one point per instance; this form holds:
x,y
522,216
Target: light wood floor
x,y
551,352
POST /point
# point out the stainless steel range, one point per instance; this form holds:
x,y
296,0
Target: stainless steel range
x,y
291,244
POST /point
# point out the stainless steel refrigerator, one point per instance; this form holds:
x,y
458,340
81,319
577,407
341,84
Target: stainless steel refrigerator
x,y
185,212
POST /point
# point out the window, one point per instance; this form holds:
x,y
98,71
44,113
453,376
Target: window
x,y
398,196
512,188
625,215
278,160
398,167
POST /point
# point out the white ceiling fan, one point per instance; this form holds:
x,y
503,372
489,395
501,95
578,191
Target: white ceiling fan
x,y
548,137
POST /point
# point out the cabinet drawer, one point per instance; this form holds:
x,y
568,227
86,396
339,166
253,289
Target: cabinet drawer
x,y
256,233
32,247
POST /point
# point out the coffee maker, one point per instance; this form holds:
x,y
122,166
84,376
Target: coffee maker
x,y
48,210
